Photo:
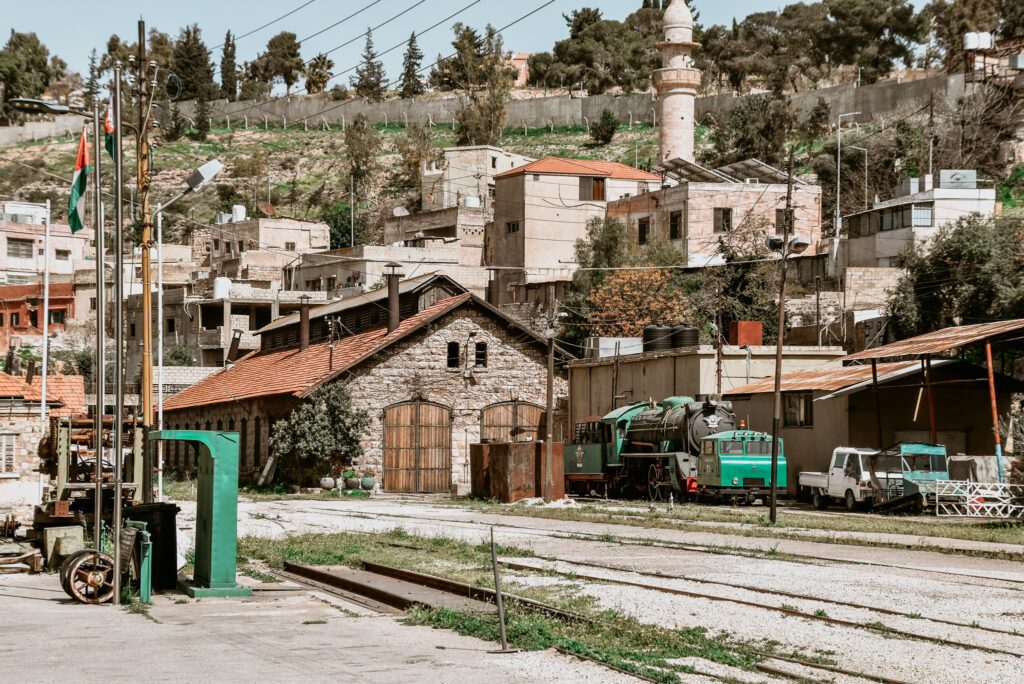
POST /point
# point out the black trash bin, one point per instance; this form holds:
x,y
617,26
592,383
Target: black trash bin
x,y
161,523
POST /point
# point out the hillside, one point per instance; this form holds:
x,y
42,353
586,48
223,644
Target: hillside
x,y
305,170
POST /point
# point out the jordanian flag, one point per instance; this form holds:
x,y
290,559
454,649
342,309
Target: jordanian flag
x,y
76,206
108,129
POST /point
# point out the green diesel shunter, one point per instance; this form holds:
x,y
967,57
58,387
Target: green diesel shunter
x,y
738,464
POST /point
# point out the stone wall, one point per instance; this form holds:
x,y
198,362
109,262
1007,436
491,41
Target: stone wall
x,y
19,491
869,288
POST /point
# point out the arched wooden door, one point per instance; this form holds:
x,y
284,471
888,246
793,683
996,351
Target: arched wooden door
x,y
512,421
417,448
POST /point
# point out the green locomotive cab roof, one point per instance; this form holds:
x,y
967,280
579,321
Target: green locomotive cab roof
x,y
740,435
635,407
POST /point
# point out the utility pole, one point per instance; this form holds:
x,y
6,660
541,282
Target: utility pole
x,y
718,348
352,211
142,183
787,230
549,445
817,307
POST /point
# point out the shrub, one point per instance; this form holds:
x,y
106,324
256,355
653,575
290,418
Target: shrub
x,y
603,132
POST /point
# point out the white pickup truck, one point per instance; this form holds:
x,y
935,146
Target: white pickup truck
x,y
848,479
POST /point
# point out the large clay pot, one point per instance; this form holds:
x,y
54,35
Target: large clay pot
x,y
351,483
328,483
368,483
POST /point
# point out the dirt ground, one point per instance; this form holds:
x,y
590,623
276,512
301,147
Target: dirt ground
x,y
909,603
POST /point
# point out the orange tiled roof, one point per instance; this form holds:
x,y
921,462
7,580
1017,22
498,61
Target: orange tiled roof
x,y
560,166
11,386
297,372
67,389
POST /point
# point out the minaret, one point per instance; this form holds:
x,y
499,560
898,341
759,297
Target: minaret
x,y
677,83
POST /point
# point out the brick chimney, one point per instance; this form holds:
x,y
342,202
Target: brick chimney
x,y
394,275
304,322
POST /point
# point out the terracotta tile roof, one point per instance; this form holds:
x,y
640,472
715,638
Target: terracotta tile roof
x,y
581,167
829,380
67,389
295,372
11,386
19,292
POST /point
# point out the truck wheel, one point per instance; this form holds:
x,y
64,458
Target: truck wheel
x,y
851,500
818,501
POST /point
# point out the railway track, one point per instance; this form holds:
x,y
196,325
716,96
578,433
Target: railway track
x,y
1003,583
888,631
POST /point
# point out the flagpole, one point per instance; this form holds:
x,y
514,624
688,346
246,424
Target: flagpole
x,y
46,316
100,370
160,349
118,436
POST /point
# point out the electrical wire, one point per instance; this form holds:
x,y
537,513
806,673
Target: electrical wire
x,y
268,24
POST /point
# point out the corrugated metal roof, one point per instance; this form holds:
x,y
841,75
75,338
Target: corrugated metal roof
x,y
826,380
940,340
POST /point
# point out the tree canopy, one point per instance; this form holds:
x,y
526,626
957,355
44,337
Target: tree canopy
x,y
369,80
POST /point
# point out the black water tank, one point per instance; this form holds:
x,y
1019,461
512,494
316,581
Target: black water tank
x,y
685,335
657,338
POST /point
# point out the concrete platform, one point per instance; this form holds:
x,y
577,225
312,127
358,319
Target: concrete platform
x,y
275,635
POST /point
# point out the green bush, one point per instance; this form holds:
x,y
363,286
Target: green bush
x,y
603,132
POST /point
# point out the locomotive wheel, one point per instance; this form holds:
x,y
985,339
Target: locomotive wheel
x,y
90,578
654,481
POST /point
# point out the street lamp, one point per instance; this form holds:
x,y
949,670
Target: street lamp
x,y
198,179
839,171
786,248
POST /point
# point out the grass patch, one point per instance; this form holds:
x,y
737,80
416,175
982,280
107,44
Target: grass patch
x,y
181,489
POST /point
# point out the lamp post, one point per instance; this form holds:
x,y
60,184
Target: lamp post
x,y
839,171
786,248
865,151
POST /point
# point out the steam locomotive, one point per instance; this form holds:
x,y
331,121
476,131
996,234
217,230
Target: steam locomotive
x,y
685,447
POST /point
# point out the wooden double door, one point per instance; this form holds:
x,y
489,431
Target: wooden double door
x,y
512,421
417,448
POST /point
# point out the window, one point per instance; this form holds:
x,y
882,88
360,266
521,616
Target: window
x,y
481,355
492,192
131,330
313,285
923,215
494,162
216,245
42,252
290,246
592,189
57,316
839,461
63,255
170,325
675,225
780,221
7,454
15,319
643,230
798,410
723,220
453,354
598,190
241,246
759,448
512,227
227,247
92,303
731,448
19,249
332,283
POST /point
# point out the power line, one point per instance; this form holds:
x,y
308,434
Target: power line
x,y
339,23
269,23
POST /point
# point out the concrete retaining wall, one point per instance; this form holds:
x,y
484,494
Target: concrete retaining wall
x,y
62,126
872,101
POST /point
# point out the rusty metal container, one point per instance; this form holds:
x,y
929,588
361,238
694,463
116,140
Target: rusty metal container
x,y
517,471
479,471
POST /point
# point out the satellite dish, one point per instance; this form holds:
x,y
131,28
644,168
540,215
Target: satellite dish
x,y
267,208
399,212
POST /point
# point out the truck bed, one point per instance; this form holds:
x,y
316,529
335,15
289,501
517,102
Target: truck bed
x,y
814,480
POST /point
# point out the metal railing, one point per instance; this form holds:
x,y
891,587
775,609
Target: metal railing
x,y
961,499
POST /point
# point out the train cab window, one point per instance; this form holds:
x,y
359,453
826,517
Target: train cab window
x,y
732,448
839,460
709,447
759,448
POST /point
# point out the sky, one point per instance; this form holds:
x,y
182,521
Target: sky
x,y
70,31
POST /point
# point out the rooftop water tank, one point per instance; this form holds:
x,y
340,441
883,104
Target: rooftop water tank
x,y
657,338
238,213
685,335
221,288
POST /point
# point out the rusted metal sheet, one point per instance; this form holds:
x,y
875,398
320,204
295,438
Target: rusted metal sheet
x,y
940,340
517,471
827,380
479,470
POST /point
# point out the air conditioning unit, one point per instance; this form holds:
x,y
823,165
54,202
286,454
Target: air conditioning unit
x,y
751,181
1017,62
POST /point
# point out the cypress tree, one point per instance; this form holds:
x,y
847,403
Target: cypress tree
x,y
228,70
412,84
192,64
369,81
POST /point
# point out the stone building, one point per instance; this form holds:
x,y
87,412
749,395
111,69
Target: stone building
x,y
466,177
21,312
22,238
20,434
450,365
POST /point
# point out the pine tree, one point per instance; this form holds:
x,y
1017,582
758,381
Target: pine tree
x,y
412,84
202,117
369,80
284,60
192,64
92,86
228,70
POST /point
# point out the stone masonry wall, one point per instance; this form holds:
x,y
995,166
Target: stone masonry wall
x,y
19,491
869,288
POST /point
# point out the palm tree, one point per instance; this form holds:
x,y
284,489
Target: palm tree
x,y
318,74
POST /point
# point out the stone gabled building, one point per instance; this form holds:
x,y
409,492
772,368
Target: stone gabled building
x,y
452,372
21,430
